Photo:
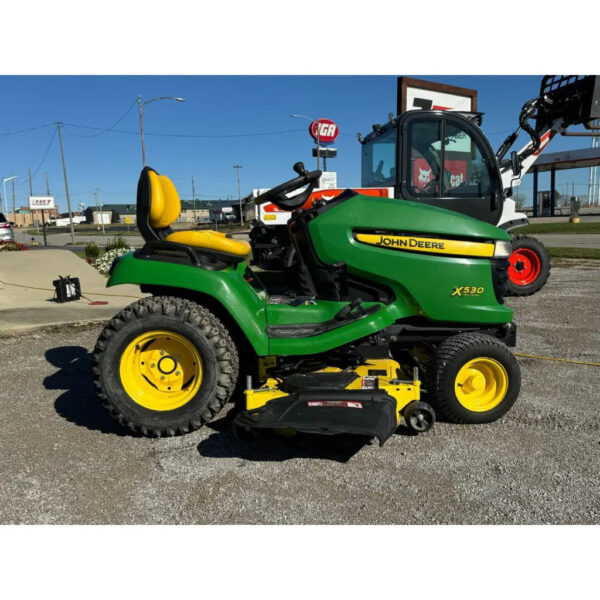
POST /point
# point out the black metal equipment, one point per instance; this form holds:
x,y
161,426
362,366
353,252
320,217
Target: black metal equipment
x,y
573,98
67,288
324,152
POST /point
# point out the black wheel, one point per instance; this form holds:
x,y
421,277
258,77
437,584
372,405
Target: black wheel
x,y
529,266
165,366
472,378
245,435
419,417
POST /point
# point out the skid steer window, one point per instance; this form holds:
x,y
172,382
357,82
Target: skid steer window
x,y
425,158
466,169
446,161
379,160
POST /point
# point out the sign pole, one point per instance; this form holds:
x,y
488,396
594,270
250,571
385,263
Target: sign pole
x,y
42,203
44,228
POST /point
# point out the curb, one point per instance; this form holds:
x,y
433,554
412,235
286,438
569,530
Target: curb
x,y
50,327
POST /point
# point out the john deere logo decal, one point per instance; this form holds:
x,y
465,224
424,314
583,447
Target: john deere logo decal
x,y
428,245
399,242
467,290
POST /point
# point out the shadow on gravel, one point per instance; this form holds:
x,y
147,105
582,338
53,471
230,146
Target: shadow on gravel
x,y
79,403
272,447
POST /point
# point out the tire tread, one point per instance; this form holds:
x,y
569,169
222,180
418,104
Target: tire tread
x,y
194,314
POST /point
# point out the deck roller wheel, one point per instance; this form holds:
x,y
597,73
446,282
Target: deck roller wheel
x,y
419,417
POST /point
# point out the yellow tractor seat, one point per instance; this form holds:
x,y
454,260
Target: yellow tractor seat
x,y
213,240
159,206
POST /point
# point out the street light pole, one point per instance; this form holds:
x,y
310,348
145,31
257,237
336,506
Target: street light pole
x,y
237,170
141,114
4,180
14,203
194,202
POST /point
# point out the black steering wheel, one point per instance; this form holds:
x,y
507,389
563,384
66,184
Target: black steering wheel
x,y
278,195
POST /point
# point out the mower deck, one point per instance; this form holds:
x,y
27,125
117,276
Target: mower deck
x,y
368,400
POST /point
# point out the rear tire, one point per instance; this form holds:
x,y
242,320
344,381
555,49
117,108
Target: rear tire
x,y
472,378
529,266
181,345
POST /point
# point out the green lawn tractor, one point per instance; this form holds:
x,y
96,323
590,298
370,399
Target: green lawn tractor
x,y
399,291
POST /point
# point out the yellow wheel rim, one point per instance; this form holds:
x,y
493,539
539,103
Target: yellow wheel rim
x,y
481,384
161,370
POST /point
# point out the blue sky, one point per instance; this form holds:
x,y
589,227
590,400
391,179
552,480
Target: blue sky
x,y
226,105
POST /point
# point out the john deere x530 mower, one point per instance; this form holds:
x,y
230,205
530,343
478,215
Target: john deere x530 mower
x,y
398,290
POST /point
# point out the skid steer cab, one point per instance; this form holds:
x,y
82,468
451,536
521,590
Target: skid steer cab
x,y
442,158
404,321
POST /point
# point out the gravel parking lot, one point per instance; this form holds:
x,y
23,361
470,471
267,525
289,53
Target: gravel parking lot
x,y
65,461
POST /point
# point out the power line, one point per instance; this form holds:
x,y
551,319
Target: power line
x,y
25,130
43,159
106,130
185,135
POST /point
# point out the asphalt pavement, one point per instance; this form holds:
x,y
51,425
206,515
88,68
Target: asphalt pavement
x,y
65,461
568,240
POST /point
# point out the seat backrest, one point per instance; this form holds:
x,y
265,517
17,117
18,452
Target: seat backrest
x,y
158,205
328,281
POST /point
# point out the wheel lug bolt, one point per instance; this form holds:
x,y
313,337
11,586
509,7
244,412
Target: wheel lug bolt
x,y
162,377
177,373
153,365
162,352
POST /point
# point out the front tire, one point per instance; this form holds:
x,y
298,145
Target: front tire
x,y
472,378
164,366
529,266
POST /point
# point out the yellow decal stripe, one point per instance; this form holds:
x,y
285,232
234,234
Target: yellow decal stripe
x,y
432,245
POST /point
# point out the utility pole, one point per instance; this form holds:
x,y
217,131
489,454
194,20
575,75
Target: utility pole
x,y
237,170
194,202
62,154
47,185
30,184
97,208
101,211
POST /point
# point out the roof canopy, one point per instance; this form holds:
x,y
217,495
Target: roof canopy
x,y
568,159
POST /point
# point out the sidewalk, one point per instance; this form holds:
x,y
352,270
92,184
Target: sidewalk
x,y
26,292
62,239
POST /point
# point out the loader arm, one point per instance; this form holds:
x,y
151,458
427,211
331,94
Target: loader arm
x,y
527,158
564,101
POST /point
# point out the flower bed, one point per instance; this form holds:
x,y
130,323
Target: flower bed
x,y
105,261
12,246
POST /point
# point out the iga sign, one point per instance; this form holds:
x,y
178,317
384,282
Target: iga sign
x,y
324,131
43,202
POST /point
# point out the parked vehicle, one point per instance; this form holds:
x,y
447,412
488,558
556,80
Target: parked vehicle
x,y
388,304
65,221
6,231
